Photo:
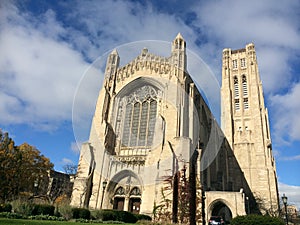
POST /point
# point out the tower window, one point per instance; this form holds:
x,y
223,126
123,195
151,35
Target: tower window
x,y
234,64
236,87
246,103
237,104
244,84
243,62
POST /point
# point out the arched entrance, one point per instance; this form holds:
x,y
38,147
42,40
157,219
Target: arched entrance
x,y
124,192
225,204
119,199
221,209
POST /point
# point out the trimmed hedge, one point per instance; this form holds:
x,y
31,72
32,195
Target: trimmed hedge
x,y
81,213
114,215
121,216
43,210
256,219
143,217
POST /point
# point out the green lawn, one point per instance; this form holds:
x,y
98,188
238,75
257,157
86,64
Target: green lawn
x,y
4,221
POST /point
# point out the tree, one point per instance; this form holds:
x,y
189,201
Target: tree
x,y
23,169
70,169
180,184
8,158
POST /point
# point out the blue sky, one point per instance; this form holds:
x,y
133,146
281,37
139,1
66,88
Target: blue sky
x,y
47,46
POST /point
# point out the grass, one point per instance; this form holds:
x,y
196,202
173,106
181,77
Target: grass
x,y
4,221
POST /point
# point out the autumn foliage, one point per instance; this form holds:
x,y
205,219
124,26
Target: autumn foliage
x,y
23,169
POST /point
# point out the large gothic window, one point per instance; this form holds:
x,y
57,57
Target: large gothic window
x,y
136,117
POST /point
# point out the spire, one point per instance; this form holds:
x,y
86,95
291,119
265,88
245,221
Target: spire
x,y
178,42
112,64
179,52
114,52
179,36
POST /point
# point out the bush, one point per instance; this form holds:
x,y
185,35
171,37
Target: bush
x,y
256,219
81,213
114,215
143,217
65,211
106,215
23,208
5,207
43,210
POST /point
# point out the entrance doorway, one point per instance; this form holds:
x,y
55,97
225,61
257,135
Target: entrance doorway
x,y
220,209
134,205
119,203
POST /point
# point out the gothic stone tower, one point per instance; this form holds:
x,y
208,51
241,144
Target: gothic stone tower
x,y
245,123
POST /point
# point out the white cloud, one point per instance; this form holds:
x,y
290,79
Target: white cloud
x,y
39,73
292,192
67,161
290,158
272,28
112,23
286,118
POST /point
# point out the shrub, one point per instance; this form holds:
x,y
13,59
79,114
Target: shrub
x,y
65,211
126,217
23,208
106,215
5,207
114,215
81,213
256,219
143,217
43,210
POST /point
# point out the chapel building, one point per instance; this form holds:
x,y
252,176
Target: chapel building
x,y
155,148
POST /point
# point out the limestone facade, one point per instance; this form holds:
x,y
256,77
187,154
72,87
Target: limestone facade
x,y
152,133
245,123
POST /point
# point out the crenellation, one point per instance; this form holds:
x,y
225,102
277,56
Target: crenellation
x,y
148,62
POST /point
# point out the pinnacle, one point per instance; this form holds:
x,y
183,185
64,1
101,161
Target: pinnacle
x,y
179,36
114,52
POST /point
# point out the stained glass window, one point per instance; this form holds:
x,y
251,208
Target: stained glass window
x,y
140,109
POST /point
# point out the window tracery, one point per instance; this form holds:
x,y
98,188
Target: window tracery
x,y
135,122
120,191
135,191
